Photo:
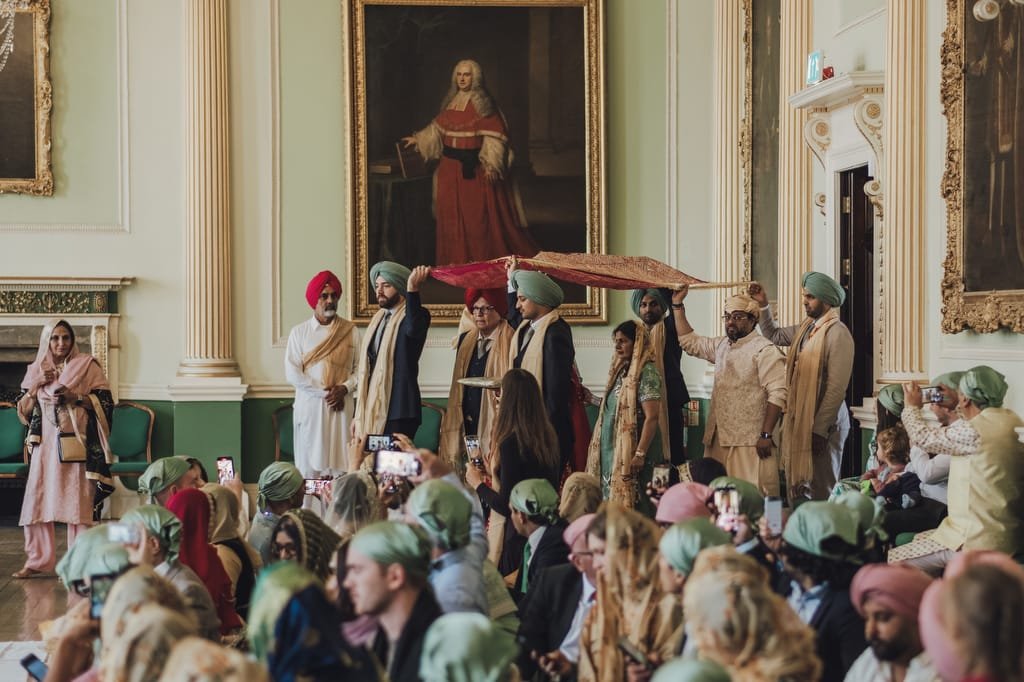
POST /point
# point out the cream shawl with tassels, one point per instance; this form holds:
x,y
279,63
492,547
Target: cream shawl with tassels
x,y
533,358
657,341
337,349
374,390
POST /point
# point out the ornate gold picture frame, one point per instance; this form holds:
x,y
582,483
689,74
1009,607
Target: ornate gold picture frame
x,y
25,97
443,172
983,185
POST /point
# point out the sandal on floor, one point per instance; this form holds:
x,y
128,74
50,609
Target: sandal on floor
x,y
26,573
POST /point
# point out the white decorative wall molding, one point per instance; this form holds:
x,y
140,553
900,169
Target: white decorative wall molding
x,y
278,338
673,156
144,392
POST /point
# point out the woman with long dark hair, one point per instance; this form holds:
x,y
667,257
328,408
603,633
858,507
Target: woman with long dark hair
x,y
527,448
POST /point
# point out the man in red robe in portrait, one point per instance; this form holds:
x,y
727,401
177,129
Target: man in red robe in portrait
x,y
478,212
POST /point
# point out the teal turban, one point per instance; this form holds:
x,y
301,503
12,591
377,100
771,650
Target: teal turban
x,y
870,512
390,542
684,540
637,297
823,288
535,497
950,380
279,481
161,524
162,474
108,558
466,647
443,511
815,526
71,567
751,499
690,670
537,287
891,398
984,386
395,274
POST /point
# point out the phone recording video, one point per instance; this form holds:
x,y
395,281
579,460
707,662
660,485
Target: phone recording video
x,y
123,533
473,451
773,515
931,394
35,668
727,502
225,469
376,442
316,486
397,463
99,588
659,477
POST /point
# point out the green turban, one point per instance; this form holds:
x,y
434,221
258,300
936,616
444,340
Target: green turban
x,y
443,511
950,380
466,647
537,287
107,558
823,288
690,670
815,526
535,497
684,540
395,274
279,481
870,512
161,474
71,567
751,499
984,386
390,542
275,586
637,297
161,524
891,397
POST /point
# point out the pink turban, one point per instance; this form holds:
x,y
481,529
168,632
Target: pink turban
x,y
682,502
496,297
897,587
964,560
316,285
575,529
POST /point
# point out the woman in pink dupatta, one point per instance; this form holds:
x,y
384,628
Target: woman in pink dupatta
x,y
62,385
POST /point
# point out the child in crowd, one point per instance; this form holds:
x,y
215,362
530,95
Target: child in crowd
x,y
899,488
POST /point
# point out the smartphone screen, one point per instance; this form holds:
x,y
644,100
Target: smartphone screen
x,y
397,463
316,486
225,469
99,588
727,502
931,394
659,478
773,515
36,669
124,533
379,441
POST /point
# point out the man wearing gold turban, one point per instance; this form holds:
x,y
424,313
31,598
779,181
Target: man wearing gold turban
x,y
749,393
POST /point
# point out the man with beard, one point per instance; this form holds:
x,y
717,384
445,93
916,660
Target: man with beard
x,y
320,362
888,597
650,305
388,397
749,393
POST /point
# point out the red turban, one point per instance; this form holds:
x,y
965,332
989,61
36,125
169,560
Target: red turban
x,y
496,297
898,587
316,285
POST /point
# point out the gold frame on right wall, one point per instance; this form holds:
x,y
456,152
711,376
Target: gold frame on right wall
x,y
980,311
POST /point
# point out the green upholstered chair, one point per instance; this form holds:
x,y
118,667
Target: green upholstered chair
x,y
131,441
429,434
13,453
284,434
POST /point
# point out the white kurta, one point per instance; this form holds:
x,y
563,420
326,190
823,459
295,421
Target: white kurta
x,y
321,434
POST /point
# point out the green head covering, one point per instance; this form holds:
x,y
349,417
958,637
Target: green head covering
x,y
950,380
815,526
684,540
823,288
395,274
466,647
389,542
751,499
535,497
537,287
891,398
637,297
690,670
443,511
276,585
984,386
870,513
161,474
161,524
107,558
279,481
71,567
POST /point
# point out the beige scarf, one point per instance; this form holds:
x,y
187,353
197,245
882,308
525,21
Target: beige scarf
x,y
623,486
803,376
533,358
374,390
336,349
657,342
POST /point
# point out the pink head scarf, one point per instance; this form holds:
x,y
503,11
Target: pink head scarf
x,y
75,365
898,587
683,501
575,529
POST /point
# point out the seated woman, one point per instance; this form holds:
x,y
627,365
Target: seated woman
x,y
196,660
240,560
301,537
626,445
354,503
581,494
467,646
891,482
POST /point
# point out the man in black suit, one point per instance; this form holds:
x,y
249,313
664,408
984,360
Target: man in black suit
x,y
552,615
650,305
388,391
534,506
535,297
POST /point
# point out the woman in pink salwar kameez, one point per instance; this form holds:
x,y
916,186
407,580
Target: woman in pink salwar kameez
x,y
62,385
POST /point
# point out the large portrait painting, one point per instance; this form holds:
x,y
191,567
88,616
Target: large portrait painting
x,y
25,97
982,81
477,133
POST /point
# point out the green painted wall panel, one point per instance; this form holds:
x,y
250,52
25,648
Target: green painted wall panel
x,y
258,435
207,430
